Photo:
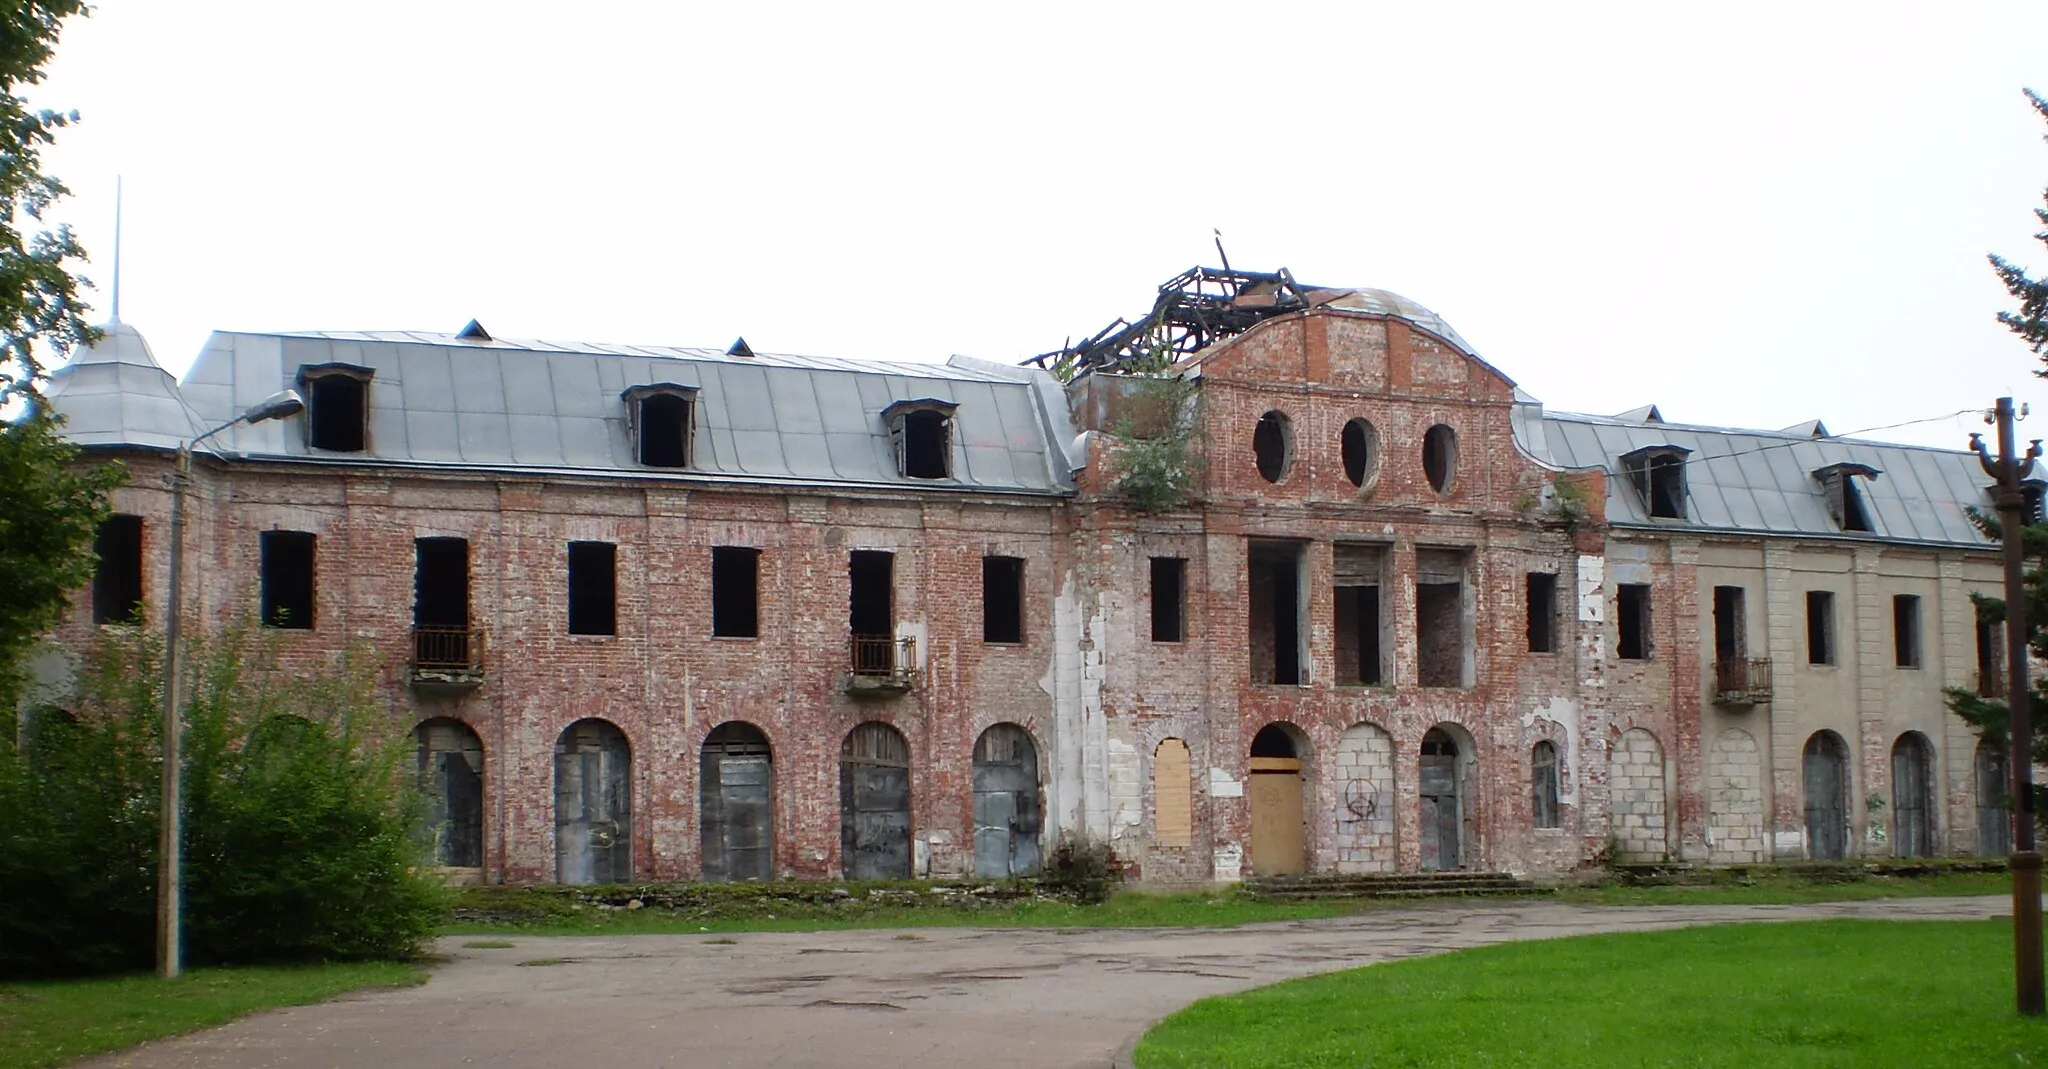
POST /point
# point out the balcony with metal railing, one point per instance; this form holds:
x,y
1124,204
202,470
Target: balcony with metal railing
x,y
1742,681
446,659
880,666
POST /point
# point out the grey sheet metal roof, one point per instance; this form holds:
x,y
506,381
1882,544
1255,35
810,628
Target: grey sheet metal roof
x,y
435,400
1762,482
116,394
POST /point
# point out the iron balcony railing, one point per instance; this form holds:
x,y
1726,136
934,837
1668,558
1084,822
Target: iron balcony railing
x,y
1742,681
447,650
883,656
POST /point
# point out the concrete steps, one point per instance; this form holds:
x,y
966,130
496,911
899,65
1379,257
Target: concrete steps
x,y
1390,885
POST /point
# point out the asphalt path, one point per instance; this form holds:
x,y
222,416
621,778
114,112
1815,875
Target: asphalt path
x,y
991,998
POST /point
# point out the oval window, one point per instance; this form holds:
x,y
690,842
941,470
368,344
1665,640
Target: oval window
x,y
1440,457
1273,446
1361,447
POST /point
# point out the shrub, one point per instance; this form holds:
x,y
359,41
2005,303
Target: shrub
x,y
1081,869
300,839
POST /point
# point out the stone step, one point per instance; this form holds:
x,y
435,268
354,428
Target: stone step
x,y
1402,892
1366,879
1389,885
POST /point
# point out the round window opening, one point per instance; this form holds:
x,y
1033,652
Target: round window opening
x,y
1361,449
1273,446
1440,457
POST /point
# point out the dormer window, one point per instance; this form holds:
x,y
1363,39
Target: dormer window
x,y
1845,498
337,406
1658,474
922,433
663,423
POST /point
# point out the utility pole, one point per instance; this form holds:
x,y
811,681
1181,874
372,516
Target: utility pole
x,y
2009,469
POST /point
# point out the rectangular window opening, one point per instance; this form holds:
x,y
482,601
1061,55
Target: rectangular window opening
x,y
1855,515
1542,605
871,612
926,449
1443,641
287,579
593,588
1820,627
1667,487
1906,630
1275,612
441,583
665,430
735,592
1633,621
1544,794
1169,599
1990,657
338,412
1730,636
1002,599
1356,575
117,577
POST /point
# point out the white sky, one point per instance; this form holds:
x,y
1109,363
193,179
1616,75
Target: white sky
x,y
1750,214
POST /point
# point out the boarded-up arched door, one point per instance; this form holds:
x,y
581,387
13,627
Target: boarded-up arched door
x,y
874,804
1912,796
1441,783
736,799
593,804
1279,847
1825,768
450,772
1006,820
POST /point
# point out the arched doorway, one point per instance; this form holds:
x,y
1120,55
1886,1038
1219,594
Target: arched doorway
x,y
1444,773
1825,772
593,804
1365,815
1912,796
1006,820
1994,815
874,804
450,773
1635,798
1279,847
736,804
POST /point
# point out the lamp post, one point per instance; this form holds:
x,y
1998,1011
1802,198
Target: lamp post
x,y
169,910
2009,469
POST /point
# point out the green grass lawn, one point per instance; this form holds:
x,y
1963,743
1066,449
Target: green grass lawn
x,y
49,1023
1826,993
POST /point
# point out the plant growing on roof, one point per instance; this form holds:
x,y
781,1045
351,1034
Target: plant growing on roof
x,y
1157,456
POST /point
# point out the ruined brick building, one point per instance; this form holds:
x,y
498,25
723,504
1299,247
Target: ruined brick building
x,y
687,613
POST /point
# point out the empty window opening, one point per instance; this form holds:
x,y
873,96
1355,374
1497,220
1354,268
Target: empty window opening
x,y
1273,446
441,583
924,441
1633,621
1543,784
1440,457
871,615
735,592
1360,446
117,578
1356,571
1990,656
1002,599
593,588
1443,634
337,410
1844,497
1275,612
1730,635
1855,517
1667,486
664,420
287,580
1169,599
1820,627
1274,740
1542,612
1906,630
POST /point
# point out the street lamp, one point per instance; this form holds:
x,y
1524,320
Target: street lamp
x,y
169,912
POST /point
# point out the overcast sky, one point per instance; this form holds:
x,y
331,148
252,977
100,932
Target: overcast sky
x,y
1750,214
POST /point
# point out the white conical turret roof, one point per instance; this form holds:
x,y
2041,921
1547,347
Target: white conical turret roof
x,y
116,394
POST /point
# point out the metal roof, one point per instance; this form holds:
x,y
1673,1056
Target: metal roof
x,y
1762,482
115,393
436,400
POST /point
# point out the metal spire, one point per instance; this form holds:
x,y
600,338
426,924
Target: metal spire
x,y
116,318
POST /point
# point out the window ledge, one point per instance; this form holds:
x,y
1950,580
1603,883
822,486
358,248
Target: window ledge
x,y
735,638
592,638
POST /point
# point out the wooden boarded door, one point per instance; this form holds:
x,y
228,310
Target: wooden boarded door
x,y
1277,841
1006,821
450,771
1912,796
1994,817
593,805
736,799
1825,768
1441,812
874,804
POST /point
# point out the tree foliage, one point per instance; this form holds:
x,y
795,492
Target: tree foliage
x,y
52,505
300,828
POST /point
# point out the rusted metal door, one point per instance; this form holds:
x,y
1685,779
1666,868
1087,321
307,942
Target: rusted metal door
x,y
737,804
1994,817
874,804
1441,814
1825,767
593,804
1277,840
1912,797
1006,821
450,776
